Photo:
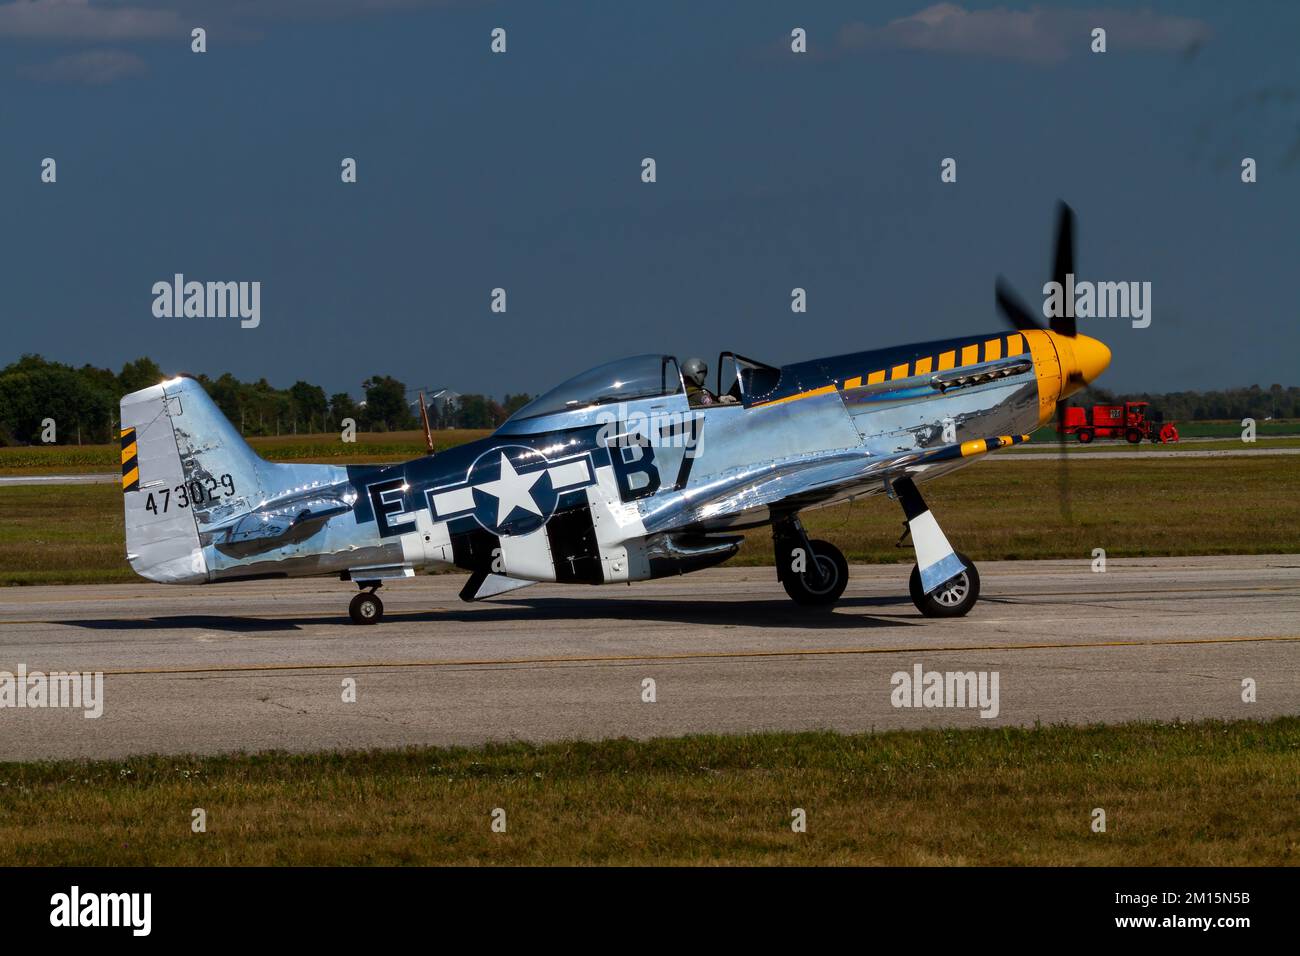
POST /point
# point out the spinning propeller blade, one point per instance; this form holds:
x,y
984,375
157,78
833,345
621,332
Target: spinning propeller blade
x,y
1022,319
1013,309
1063,265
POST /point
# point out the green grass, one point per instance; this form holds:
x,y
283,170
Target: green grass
x,y
400,445
67,534
1007,510
1205,794
1232,429
369,447
385,447
1205,429
1228,444
992,510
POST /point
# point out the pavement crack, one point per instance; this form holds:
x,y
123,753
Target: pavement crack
x,y
275,703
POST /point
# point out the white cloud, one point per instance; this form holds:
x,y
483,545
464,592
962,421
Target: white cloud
x,y
86,22
79,20
1035,35
122,20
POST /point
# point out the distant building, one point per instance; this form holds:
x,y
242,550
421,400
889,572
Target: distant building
x,y
441,402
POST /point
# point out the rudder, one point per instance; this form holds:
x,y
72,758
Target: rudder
x,y
184,468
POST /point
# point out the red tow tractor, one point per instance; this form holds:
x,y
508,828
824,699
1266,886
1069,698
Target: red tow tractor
x,y
1128,421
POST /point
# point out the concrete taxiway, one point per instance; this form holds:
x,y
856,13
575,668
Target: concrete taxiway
x,y
87,479
263,665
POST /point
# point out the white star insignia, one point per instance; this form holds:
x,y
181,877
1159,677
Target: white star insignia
x,y
512,490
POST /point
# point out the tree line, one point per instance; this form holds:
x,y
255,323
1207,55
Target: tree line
x,y
83,403
1231,404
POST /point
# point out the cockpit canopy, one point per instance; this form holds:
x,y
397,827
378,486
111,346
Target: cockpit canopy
x,y
625,380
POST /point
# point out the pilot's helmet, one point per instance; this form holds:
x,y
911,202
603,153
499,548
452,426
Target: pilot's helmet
x,y
696,371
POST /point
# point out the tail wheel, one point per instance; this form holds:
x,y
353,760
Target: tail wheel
x,y
954,599
366,608
1085,436
824,578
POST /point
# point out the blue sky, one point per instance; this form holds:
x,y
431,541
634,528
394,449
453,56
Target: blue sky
x,y
522,171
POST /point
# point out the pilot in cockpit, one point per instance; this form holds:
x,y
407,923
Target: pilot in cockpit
x,y
695,371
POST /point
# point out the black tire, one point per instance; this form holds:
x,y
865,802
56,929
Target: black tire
x,y
366,608
1134,436
954,599
827,589
1085,436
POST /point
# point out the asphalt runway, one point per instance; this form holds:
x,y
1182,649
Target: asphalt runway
x,y
261,665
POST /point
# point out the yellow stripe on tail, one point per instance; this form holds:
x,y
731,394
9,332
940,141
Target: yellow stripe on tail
x,y
130,461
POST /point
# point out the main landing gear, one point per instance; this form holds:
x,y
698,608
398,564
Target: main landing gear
x,y
812,572
944,582
366,608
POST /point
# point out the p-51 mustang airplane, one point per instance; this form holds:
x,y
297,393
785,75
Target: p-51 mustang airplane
x,y
616,475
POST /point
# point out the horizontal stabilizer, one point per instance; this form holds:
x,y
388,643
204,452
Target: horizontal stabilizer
x,y
277,525
199,503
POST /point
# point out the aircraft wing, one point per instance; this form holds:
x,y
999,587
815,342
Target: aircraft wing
x,y
801,484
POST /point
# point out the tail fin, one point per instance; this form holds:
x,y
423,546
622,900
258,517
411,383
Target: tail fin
x,y
184,468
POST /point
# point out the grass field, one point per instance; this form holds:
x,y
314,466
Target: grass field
x,y
69,534
1207,429
1209,444
1205,794
401,446
1232,429
991,510
996,510
329,449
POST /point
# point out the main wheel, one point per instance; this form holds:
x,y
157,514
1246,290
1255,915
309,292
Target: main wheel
x,y
1085,436
1134,436
954,599
366,608
809,587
